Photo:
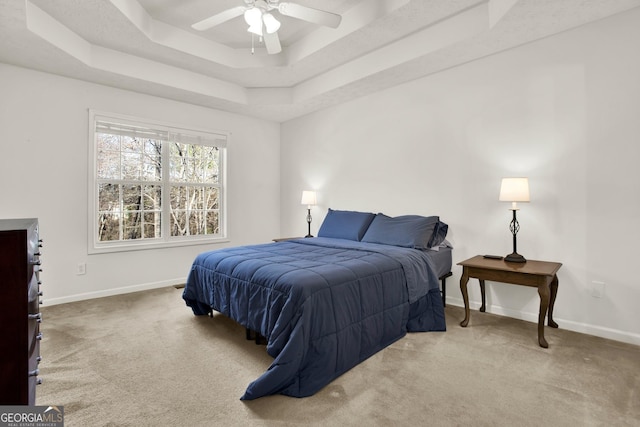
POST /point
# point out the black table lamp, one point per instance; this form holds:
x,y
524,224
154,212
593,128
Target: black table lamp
x,y
514,190
309,199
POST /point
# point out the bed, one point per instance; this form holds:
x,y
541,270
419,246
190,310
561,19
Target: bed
x,y
326,304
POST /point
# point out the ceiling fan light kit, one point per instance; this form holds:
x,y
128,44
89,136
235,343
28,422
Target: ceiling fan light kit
x,y
257,15
253,17
271,24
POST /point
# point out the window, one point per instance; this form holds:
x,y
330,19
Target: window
x,y
154,185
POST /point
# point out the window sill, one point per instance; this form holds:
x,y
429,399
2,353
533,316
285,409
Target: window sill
x,y
142,246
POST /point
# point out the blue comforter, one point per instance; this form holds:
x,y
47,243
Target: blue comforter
x,y
323,304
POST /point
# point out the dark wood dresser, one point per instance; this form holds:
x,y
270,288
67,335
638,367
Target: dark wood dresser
x,y
19,311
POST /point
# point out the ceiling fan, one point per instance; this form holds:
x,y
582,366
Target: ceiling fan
x,y
257,14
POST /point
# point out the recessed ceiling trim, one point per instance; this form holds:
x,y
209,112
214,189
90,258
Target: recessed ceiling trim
x,y
167,75
462,26
354,19
52,31
270,96
498,9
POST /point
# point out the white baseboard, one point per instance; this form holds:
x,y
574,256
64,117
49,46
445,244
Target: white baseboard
x,y
585,328
599,331
111,292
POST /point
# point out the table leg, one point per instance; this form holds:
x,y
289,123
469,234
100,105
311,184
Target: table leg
x,y
552,300
465,296
482,291
543,291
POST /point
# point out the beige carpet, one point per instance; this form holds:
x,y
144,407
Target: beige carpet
x,y
143,359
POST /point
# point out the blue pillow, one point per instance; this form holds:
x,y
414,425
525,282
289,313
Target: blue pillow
x,y
409,231
439,234
349,225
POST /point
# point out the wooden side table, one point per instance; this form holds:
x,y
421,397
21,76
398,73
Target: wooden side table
x,y
539,274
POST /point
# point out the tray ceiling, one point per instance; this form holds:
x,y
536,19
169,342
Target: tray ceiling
x,y
149,46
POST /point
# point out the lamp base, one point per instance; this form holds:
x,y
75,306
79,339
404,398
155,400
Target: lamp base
x,y
515,257
307,236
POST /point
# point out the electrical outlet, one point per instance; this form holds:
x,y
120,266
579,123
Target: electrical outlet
x,y
597,289
81,269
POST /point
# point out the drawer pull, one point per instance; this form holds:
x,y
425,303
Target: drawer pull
x,y
39,336
34,373
39,293
39,359
39,381
37,316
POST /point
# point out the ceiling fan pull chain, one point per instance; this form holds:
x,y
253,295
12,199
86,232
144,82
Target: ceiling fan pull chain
x,y
252,47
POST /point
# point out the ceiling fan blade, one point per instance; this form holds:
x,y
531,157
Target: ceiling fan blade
x,y
272,43
219,18
309,14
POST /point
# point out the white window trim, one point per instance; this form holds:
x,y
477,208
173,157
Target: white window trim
x,y
96,247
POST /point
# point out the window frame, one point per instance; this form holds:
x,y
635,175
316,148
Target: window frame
x,y
166,241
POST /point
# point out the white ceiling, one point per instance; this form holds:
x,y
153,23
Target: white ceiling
x,y
149,46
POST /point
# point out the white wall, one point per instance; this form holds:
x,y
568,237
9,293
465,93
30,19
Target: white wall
x,y
563,111
43,174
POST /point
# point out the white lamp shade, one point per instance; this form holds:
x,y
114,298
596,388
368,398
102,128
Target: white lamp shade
x,y
253,17
271,24
255,29
308,198
514,190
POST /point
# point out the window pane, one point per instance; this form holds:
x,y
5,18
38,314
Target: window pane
x,y
108,160
178,198
195,223
211,198
131,198
203,223
211,162
177,160
132,225
131,145
178,223
194,171
109,142
194,163
152,226
152,161
152,197
194,210
198,198
131,166
108,227
109,197
152,147
213,222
